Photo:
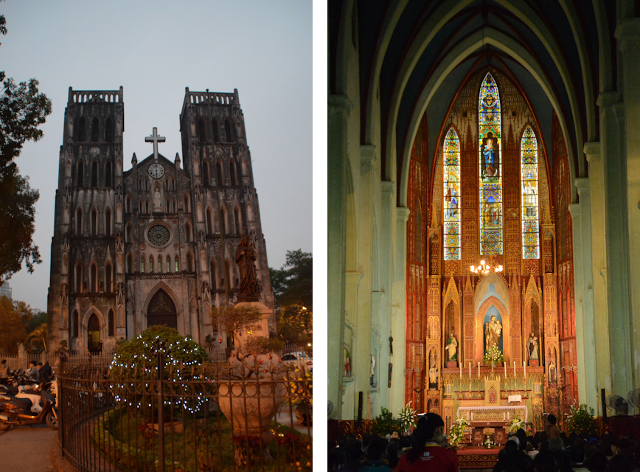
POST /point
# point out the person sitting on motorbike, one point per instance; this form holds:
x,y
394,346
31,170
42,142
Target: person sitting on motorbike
x,y
4,372
34,372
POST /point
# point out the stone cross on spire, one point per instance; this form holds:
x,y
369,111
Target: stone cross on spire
x,y
155,139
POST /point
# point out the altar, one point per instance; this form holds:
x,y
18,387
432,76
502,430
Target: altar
x,y
496,418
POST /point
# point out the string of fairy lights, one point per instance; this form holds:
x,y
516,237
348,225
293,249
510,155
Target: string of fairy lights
x,y
181,370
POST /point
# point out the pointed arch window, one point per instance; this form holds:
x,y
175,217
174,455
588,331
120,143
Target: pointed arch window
x,y
451,180
216,132
80,174
168,264
490,162
95,131
94,174
107,174
529,179
82,130
108,130
111,323
142,264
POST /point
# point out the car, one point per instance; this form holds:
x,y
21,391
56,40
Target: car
x,y
299,356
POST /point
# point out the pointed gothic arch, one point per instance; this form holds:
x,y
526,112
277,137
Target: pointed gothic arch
x,y
161,307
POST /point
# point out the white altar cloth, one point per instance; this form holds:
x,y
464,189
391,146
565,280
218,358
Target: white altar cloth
x,y
493,413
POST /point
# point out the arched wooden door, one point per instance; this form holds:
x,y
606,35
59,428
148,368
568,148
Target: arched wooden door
x,y
162,310
94,334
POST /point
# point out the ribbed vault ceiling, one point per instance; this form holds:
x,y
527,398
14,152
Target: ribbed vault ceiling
x,y
416,54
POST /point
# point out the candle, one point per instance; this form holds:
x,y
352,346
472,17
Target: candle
x,y
514,369
505,370
469,369
524,364
460,370
478,369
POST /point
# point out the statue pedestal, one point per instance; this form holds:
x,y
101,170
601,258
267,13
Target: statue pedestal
x,y
452,364
262,328
534,363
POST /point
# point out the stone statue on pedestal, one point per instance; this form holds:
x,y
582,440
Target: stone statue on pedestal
x,y
246,260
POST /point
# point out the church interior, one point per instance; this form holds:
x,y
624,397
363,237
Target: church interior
x,y
483,195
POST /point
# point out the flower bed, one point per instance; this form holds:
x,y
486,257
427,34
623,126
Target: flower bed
x,y
205,444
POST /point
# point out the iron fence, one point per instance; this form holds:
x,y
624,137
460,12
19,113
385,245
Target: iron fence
x,y
184,417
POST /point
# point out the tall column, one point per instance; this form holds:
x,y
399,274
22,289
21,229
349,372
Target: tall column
x,y
386,278
339,109
615,171
628,34
599,264
583,284
398,309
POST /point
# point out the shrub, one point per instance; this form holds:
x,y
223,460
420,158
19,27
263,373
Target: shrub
x,y
384,424
581,420
135,360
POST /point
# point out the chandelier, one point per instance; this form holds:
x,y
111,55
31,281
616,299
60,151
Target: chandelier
x,y
484,268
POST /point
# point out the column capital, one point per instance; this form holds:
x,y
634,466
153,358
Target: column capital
x,y
388,188
368,154
593,151
402,214
339,105
628,34
583,186
610,102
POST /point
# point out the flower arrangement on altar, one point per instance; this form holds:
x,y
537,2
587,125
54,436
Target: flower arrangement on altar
x,y
489,443
407,418
456,435
515,424
493,355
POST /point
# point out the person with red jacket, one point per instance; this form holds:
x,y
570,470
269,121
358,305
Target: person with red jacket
x,y
426,454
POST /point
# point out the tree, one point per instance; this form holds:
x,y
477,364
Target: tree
x,y
293,282
235,319
294,321
38,338
22,110
12,326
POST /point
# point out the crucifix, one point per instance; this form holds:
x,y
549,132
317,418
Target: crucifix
x,y
155,139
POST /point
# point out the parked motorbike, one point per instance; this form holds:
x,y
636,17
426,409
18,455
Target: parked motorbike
x,y
18,411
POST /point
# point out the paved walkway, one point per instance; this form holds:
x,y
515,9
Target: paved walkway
x,y
27,449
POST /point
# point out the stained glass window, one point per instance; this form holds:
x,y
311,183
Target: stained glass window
x,y
490,161
451,181
529,179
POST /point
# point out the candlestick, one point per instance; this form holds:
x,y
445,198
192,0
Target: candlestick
x,y
524,364
505,369
478,369
460,370
469,370
514,369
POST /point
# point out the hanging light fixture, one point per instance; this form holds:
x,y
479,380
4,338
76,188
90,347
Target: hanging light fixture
x,y
485,269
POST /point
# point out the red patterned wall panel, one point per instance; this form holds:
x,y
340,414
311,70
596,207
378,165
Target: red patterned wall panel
x,y
564,254
417,260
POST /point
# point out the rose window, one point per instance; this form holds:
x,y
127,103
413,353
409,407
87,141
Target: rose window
x,y
158,235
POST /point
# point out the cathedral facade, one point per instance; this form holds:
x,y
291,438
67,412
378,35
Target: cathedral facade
x,y
155,244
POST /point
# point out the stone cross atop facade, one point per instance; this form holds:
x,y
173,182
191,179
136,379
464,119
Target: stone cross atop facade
x,y
155,139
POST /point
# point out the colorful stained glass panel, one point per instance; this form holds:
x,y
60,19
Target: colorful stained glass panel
x,y
530,209
451,206
490,161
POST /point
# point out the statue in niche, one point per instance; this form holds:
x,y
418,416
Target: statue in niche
x,y
452,348
492,332
433,376
157,200
552,372
532,346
